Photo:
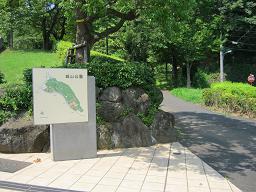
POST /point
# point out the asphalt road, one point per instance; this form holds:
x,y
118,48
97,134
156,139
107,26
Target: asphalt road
x,y
228,144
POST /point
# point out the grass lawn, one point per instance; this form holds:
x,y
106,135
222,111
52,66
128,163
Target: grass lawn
x,y
12,63
191,95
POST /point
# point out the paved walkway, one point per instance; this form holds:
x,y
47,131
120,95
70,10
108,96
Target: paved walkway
x,y
228,144
169,168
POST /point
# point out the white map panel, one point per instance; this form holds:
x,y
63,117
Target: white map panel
x,y
59,95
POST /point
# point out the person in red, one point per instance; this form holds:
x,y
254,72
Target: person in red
x,y
251,78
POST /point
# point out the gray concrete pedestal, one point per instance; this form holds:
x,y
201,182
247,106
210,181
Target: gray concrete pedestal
x,y
70,141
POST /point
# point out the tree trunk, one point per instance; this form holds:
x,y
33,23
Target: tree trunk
x,y
83,54
188,66
107,45
166,72
10,39
46,36
82,37
175,70
46,42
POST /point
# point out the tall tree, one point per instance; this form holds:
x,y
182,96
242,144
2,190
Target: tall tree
x,y
96,20
46,16
8,15
190,33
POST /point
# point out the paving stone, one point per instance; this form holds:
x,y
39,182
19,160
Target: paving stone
x,y
147,169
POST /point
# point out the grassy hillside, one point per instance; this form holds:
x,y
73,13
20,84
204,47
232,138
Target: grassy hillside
x,y
12,63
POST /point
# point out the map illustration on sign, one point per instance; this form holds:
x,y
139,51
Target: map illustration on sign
x,y
53,84
60,95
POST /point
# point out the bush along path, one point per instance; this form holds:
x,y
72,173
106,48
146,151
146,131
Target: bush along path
x,y
232,97
225,143
237,99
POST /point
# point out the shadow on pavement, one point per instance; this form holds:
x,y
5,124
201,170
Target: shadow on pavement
x,y
226,144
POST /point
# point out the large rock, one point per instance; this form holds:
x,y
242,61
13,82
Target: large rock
x,y
131,133
137,99
21,136
112,94
163,127
110,111
104,136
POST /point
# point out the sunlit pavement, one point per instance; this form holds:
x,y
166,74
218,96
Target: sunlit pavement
x,y
164,167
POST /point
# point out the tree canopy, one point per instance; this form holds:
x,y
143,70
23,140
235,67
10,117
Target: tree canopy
x,y
185,34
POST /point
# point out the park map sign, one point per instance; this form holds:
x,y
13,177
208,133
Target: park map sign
x,y
59,96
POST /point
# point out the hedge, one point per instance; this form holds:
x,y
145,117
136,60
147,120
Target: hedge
x,y
232,97
17,98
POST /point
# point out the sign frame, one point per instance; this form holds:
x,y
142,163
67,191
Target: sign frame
x,y
60,95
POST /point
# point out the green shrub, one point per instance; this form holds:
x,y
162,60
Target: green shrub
x,y
4,115
232,97
204,80
241,89
2,78
62,48
27,76
150,116
16,98
28,42
215,77
121,74
109,72
201,79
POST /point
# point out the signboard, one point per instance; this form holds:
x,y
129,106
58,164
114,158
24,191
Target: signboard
x,y
59,95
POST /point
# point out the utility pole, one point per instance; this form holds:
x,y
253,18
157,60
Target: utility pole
x,y
221,64
223,52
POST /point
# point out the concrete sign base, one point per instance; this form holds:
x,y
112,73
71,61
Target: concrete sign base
x,y
71,141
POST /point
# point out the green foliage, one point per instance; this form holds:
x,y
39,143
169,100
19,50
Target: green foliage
x,y
164,79
16,98
149,117
155,94
27,76
232,97
127,111
215,77
2,78
121,74
62,48
28,41
201,79
4,115
110,72
101,56
191,95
